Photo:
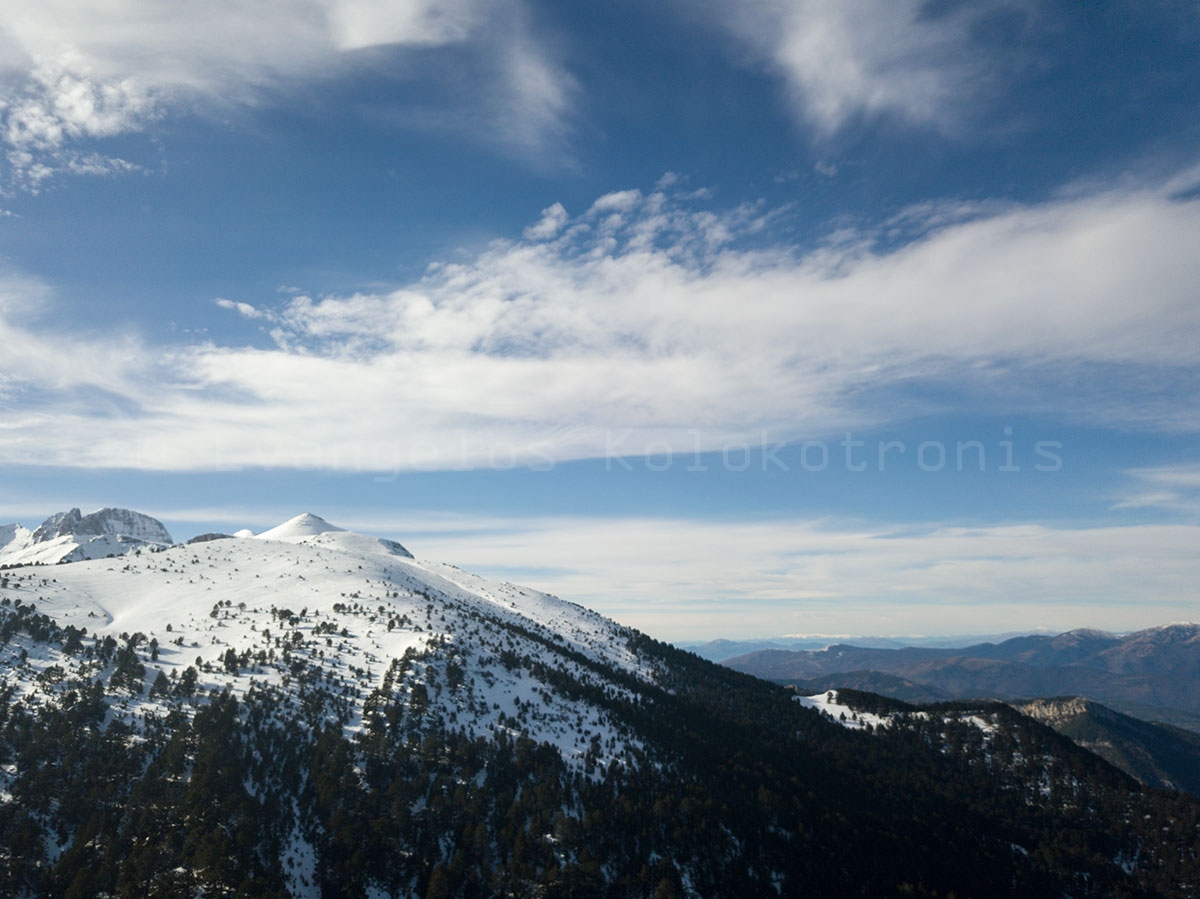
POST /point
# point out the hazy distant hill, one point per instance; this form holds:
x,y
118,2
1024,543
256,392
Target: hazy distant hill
x,y
720,650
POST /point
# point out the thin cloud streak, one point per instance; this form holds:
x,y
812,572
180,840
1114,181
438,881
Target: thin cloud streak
x,y
1170,488
684,578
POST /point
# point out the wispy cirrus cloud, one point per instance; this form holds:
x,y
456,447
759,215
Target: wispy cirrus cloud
x,y
845,60
73,73
652,315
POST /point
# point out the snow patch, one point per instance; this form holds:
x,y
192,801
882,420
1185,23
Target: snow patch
x,y
827,703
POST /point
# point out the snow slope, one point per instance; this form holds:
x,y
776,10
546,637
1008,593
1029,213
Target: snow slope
x,y
247,612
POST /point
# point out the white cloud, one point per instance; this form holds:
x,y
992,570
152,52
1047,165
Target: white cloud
x,y
617,201
243,309
536,93
59,105
366,23
226,44
551,223
73,369
72,72
649,315
845,59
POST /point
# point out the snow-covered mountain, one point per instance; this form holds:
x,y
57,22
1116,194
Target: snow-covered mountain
x,y
244,612
72,537
314,712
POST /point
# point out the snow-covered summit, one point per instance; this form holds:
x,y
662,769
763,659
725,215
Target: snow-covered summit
x,y
306,525
72,536
313,529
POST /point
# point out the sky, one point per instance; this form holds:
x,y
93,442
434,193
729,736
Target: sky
x,y
726,319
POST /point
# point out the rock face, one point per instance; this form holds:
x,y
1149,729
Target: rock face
x,y
13,534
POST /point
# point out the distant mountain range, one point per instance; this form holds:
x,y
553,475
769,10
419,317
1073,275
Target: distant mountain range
x,y
1154,673
720,650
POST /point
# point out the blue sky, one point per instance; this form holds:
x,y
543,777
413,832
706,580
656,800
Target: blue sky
x,y
598,297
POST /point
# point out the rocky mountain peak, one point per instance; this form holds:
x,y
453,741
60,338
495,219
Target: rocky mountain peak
x,y
111,522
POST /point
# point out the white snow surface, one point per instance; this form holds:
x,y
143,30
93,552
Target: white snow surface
x,y
348,604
